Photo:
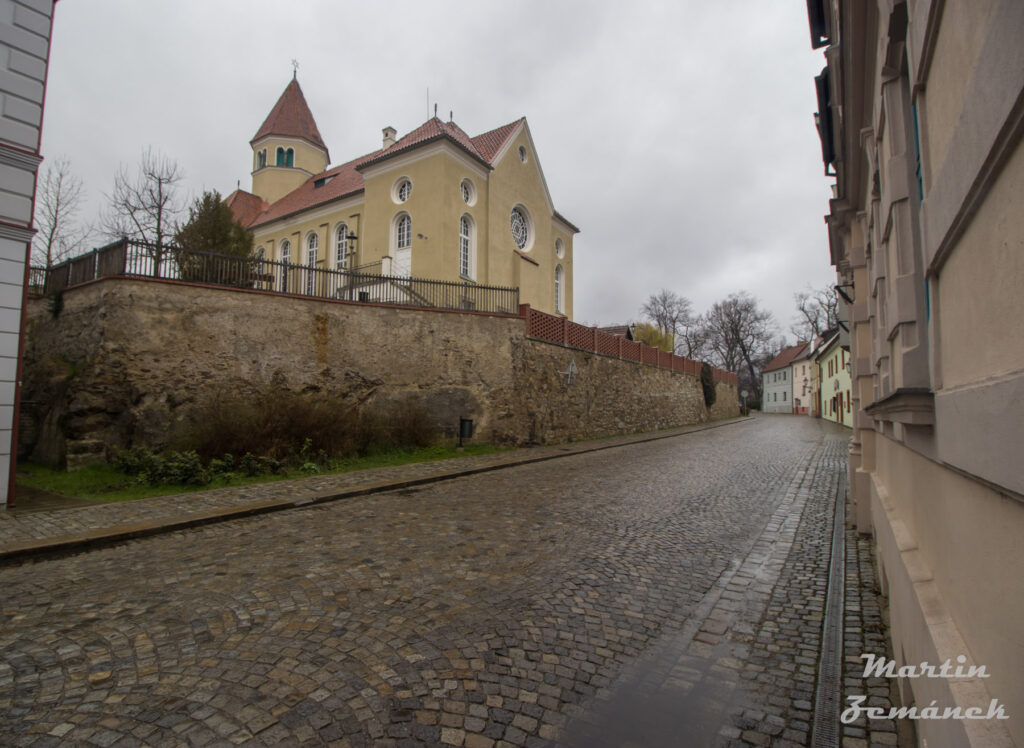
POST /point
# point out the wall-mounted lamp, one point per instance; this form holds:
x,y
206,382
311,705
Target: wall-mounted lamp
x,y
841,292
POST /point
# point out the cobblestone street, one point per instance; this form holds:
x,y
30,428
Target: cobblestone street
x,y
668,593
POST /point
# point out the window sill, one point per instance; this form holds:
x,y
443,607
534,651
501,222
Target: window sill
x,y
526,257
914,406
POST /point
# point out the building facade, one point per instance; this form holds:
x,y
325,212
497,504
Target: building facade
x,y
920,117
435,203
25,40
833,364
802,367
777,381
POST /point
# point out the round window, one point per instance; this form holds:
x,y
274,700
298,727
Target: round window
x,y
520,227
402,190
559,249
522,154
468,192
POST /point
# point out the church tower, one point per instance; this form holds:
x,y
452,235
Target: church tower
x,y
287,150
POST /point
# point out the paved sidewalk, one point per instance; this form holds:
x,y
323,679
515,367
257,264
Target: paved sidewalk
x,y
67,530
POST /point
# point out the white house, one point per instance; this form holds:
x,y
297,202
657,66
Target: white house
x,y
777,381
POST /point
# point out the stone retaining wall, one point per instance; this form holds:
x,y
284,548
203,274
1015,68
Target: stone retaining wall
x,y
125,360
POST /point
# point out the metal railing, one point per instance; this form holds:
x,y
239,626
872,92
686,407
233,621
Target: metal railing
x,y
36,280
133,259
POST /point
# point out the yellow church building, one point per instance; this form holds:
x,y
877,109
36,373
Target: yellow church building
x,y
435,204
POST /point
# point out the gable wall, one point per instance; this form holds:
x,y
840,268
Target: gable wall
x,y
513,182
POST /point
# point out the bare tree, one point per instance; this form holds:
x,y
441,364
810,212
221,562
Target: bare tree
x,y
146,206
817,311
673,314
58,202
668,310
741,337
693,339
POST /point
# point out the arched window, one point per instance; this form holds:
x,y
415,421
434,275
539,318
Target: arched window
x,y
341,246
401,253
312,246
559,290
403,233
286,258
280,157
261,158
466,258
290,157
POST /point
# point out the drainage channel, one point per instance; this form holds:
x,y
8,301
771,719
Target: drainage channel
x,y
825,731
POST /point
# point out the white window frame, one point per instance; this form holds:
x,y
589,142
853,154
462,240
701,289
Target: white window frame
x,y
403,185
467,247
527,225
312,256
341,248
400,219
559,289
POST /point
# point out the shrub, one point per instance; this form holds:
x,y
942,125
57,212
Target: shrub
x,y
251,465
137,461
707,383
297,429
182,468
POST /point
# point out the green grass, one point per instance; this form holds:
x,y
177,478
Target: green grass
x,y
104,483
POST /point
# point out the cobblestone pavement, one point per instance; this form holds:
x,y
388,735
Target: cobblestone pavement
x,y
97,521
658,594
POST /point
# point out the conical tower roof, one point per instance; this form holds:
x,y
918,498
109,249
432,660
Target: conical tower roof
x,y
291,118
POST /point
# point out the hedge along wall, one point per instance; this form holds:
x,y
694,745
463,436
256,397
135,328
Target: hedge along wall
x,y
125,360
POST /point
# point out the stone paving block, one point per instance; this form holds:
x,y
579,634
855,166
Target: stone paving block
x,y
435,614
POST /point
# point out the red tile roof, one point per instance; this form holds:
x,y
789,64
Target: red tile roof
x,y
291,118
338,183
491,142
785,358
431,130
245,206
347,179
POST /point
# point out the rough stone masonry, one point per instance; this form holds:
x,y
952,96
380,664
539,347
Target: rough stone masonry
x,y
118,363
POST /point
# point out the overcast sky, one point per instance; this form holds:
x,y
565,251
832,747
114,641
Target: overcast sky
x,y
677,135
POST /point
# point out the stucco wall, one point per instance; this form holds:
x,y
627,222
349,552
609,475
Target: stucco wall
x,y
124,360
25,31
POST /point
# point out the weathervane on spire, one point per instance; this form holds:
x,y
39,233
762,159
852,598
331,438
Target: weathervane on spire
x,y
295,69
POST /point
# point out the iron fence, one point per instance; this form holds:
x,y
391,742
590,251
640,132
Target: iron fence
x,y
36,280
135,259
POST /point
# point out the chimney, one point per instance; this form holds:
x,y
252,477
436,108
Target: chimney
x,y
389,136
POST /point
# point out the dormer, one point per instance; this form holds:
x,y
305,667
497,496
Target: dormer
x,y
287,149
